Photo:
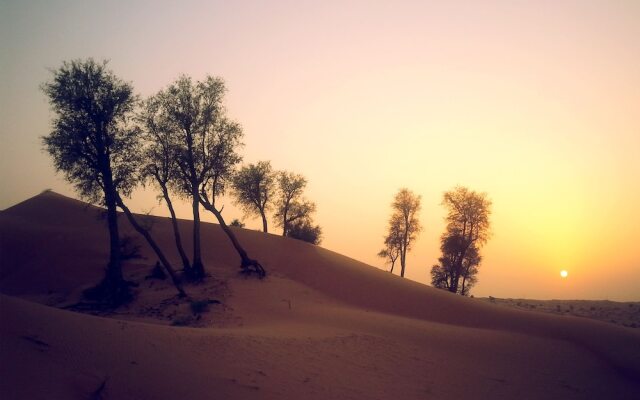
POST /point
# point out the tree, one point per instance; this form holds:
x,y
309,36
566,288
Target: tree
x,y
160,162
94,144
221,148
466,231
236,223
303,229
404,225
392,246
189,112
254,187
290,205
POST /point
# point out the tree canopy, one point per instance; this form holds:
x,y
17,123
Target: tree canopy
x,y
466,231
254,188
404,227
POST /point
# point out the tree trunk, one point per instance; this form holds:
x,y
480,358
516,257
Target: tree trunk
x,y
285,223
247,265
393,262
145,233
197,268
264,221
176,230
113,290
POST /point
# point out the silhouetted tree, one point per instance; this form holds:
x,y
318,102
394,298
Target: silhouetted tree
x,y
392,245
190,111
237,223
467,230
222,157
290,205
94,144
160,162
254,187
404,225
303,229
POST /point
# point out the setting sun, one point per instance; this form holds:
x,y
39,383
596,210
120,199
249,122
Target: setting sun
x,y
564,273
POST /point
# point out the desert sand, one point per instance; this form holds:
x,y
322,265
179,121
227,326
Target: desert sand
x,y
320,326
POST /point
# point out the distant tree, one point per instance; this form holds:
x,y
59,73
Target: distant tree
x,y
289,204
254,188
467,230
94,144
303,229
392,246
404,225
160,161
190,112
237,223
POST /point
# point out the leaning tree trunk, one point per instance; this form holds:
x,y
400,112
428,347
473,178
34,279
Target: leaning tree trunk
x,y
248,265
145,233
197,268
176,230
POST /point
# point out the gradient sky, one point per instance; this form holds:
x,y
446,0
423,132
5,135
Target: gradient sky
x,y
535,103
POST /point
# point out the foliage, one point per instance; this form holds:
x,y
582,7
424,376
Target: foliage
x,y
404,227
306,231
93,141
289,204
237,223
254,188
466,231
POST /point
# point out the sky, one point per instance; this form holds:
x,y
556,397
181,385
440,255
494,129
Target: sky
x,y
535,103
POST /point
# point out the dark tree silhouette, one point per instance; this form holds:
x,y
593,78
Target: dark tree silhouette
x,y
94,144
236,223
221,150
253,188
191,111
303,229
392,245
160,162
289,204
404,225
467,230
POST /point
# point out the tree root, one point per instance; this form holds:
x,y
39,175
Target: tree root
x,y
250,266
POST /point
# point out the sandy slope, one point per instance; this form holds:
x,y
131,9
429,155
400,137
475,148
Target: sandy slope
x,y
321,326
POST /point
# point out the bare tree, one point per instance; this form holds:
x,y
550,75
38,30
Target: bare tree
x,y
467,230
190,111
160,162
94,144
254,187
290,205
404,224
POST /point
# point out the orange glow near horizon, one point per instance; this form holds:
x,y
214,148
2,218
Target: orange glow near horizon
x,y
535,104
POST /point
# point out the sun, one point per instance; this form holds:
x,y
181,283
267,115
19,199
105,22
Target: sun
x,y
564,273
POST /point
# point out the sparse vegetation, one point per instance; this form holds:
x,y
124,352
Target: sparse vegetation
x,y
467,230
404,227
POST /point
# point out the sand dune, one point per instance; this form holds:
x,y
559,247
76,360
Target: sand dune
x,y
321,326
